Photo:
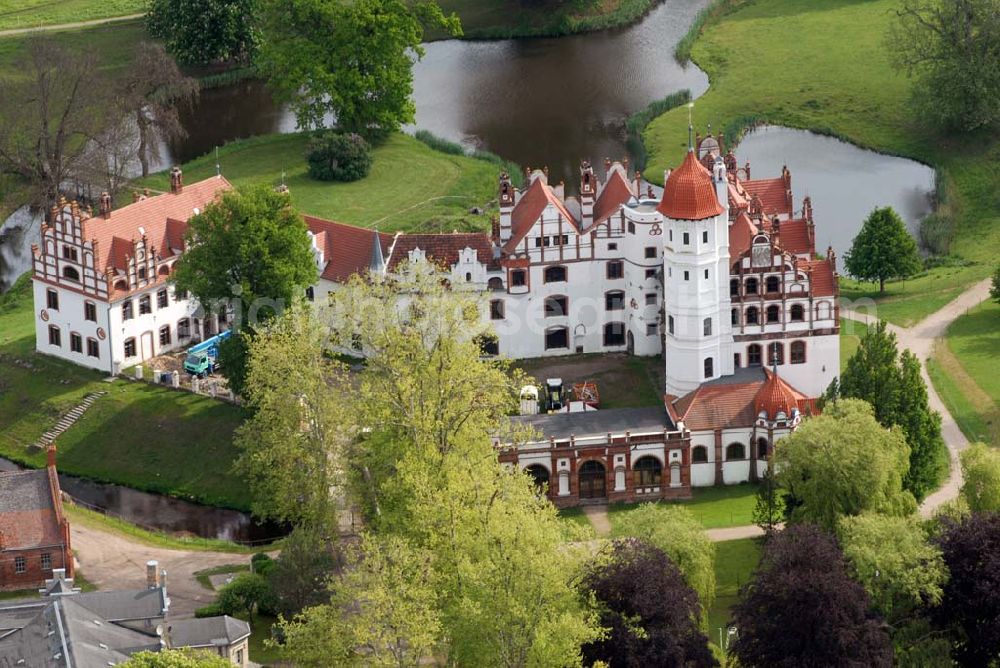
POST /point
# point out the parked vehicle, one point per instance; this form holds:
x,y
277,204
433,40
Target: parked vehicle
x,y
203,358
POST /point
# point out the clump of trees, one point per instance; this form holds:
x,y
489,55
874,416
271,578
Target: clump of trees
x,y
203,32
883,249
334,156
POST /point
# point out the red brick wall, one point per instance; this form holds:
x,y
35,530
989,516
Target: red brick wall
x,y
34,575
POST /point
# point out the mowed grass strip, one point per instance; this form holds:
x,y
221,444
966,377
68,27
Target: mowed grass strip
x,y
714,507
139,435
34,13
824,65
735,562
411,187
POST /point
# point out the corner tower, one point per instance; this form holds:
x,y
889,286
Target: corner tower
x,y
698,342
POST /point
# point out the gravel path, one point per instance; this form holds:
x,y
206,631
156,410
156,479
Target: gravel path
x,y
69,26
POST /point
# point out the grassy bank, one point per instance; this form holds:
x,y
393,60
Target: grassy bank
x,y
501,19
843,84
33,13
411,186
142,436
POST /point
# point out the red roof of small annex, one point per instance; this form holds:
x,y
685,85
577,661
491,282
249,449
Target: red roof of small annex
x,y
822,277
28,516
720,406
347,249
776,396
529,209
741,234
163,218
616,192
689,193
443,249
774,197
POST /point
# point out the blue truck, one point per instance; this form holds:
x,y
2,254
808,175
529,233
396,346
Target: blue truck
x,y
203,358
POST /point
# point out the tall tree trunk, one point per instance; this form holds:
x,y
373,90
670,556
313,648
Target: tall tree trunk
x,y
881,285
142,124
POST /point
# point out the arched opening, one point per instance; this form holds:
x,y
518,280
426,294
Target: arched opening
x,y
751,286
772,283
556,274
614,334
614,300
773,313
468,277
735,451
164,270
556,306
709,367
753,315
71,274
592,480
775,354
556,338
699,454
539,475
798,352
495,283
797,313
647,471
121,286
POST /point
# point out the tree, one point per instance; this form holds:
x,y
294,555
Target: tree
x,y
841,463
769,505
176,658
334,156
291,446
802,609
299,575
952,49
883,249
650,613
349,61
202,32
50,112
981,478
970,607
674,530
248,251
246,593
995,285
891,383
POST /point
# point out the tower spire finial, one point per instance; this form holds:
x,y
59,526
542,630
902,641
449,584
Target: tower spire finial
x,y
690,128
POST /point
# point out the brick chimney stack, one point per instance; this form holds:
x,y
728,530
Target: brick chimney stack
x,y
50,456
176,181
104,205
152,574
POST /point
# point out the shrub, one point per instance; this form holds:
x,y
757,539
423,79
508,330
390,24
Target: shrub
x,y
936,233
210,610
334,156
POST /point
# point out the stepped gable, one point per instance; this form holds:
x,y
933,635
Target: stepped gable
x,y
689,193
614,193
162,218
529,209
775,194
347,249
443,249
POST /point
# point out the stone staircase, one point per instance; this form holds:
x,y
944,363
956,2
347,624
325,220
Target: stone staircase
x,y
68,420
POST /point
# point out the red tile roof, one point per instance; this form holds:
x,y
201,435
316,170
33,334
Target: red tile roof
x,y
347,249
616,192
774,196
163,218
822,277
443,249
718,406
776,396
741,234
793,236
689,193
529,209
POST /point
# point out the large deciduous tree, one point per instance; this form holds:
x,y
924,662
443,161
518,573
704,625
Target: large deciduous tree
x,y
891,383
769,502
952,48
202,32
883,249
970,607
347,61
176,658
650,613
58,103
843,462
802,609
981,478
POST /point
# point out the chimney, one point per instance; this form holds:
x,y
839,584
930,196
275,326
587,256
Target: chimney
x,y
176,181
152,574
104,205
50,456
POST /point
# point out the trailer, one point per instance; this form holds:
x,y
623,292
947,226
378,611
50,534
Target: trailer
x,y
203,358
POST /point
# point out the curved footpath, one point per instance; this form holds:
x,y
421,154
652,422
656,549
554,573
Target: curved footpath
x,y
69,26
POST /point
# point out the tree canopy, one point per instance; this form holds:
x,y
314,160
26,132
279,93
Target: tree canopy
x,y
650,613
347,62
952,49
201,32
981,478
176,658
891,383
802,609
843,462
883,249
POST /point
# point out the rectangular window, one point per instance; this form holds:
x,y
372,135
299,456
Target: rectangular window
x,y
631,227
556,307
52,300
651,273
614,301
127,310
707,327
165,335
651,299
650,252
129,347
161,298
687,276
69,253
670,324
652,329
687,239
55,336
706,274
670,234
75,342
92,349
704,237
46,561
556,274
145,305
20,565
90,311
517,278
183,328
496,309
616,269
612,247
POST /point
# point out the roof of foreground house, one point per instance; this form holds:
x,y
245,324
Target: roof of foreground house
x,y
207,632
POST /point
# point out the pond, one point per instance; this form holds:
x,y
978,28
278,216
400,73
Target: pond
x,y
163,513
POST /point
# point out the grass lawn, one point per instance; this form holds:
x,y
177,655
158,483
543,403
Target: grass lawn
x,y
576,525
714,507
139,435
113,44
260,631
32,13
851,332
824,65
735,561
411,187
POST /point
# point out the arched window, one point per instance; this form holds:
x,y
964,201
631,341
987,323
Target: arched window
x,y
751,286
468,277
556,337
797,313
699,454
734,316
775,354
164,270
823,311
753,315
762,448
539,475
556,306
614,300
647,471
71,274
592,480
709,367
773,313
614,334
753,355
735,451
734,287
706,327
772,283
121,285
495,283
555,274
798,352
